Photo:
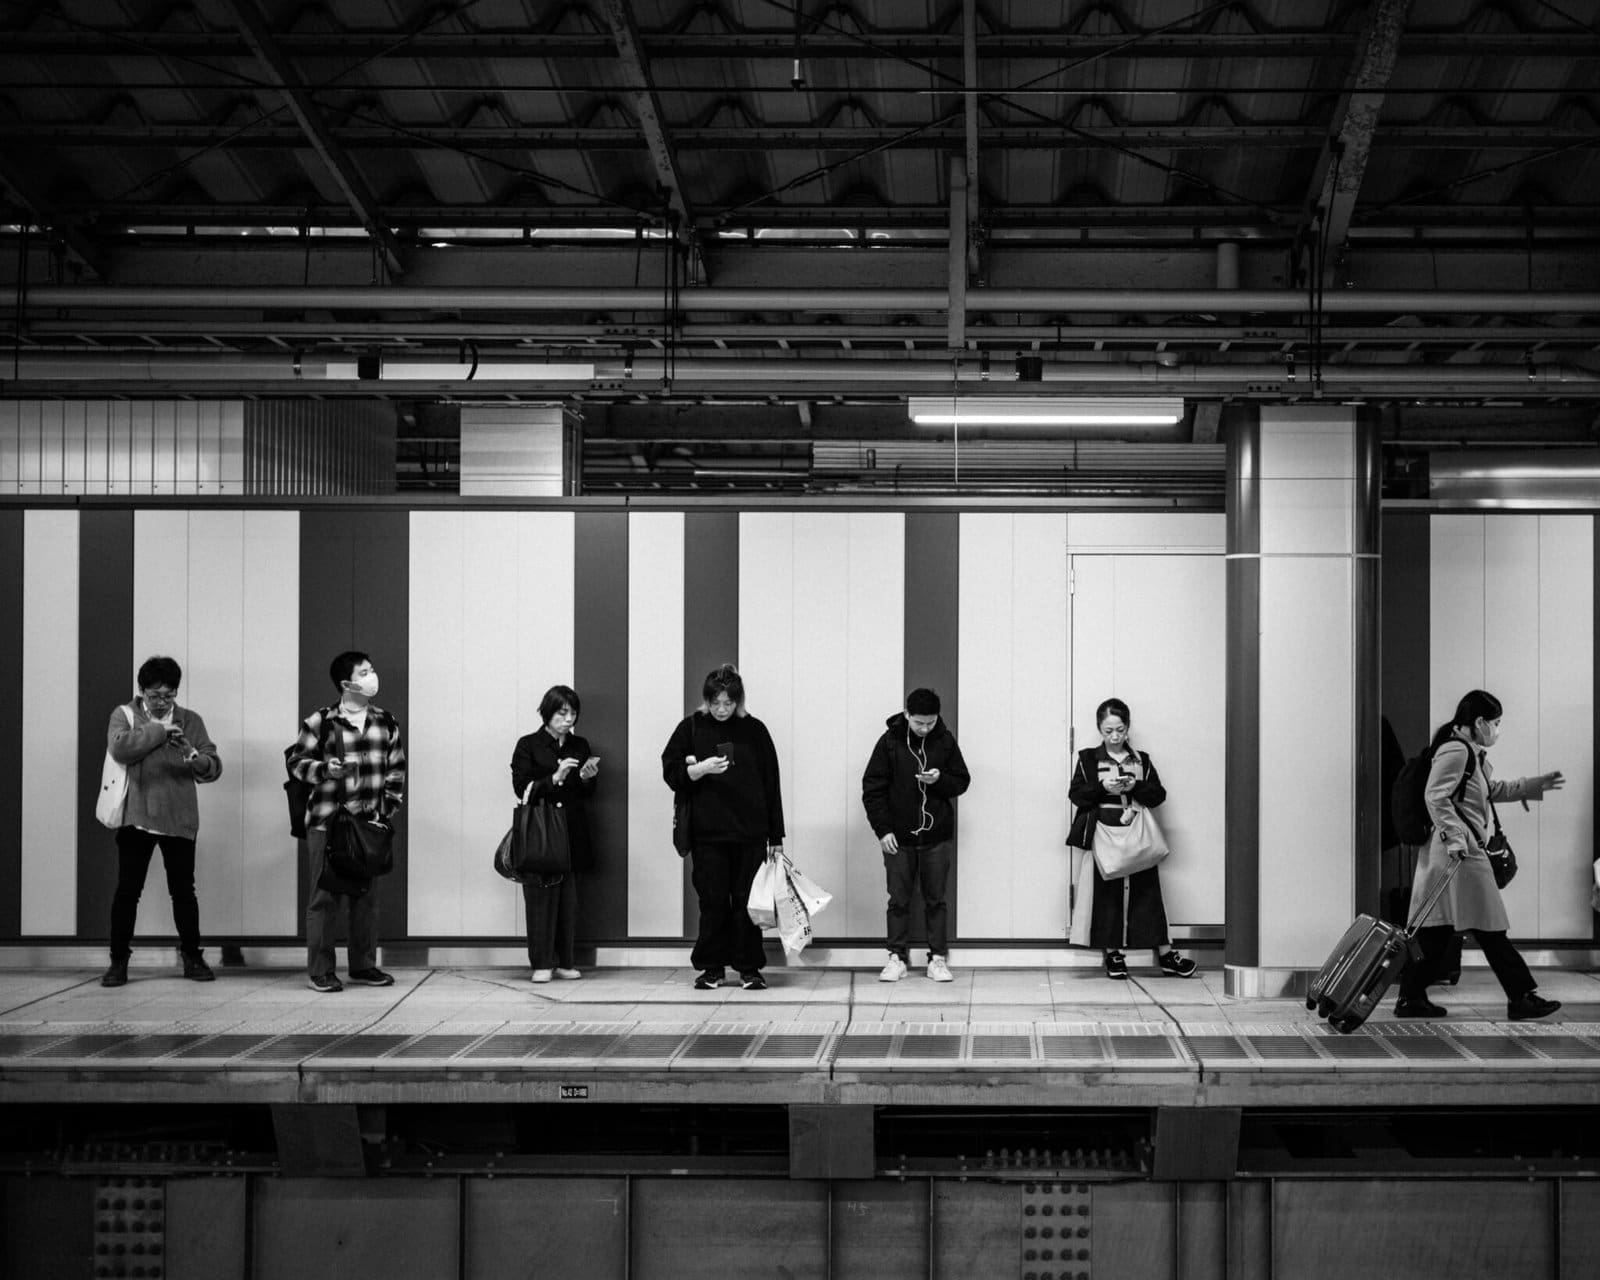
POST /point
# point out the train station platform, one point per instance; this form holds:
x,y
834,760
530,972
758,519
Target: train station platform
x,y
993,1037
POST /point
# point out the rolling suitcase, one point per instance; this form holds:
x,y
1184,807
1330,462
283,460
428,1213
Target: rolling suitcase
x,y
1366,960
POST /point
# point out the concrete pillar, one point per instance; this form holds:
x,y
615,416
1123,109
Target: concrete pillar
x,y
1303,529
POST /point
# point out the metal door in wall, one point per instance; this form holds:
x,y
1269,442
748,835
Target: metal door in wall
x,y
1149,628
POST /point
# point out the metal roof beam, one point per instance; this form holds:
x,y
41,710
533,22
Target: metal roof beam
x,y
80,248
253,27
1343,162
647,110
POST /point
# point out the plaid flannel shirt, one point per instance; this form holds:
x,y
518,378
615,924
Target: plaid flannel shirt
x,y
376,785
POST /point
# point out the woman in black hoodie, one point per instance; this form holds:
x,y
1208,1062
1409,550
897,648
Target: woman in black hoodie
x,y
722,757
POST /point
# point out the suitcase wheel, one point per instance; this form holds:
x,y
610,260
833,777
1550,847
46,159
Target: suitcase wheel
x,y
1324,1007
1311,1002
1345,1025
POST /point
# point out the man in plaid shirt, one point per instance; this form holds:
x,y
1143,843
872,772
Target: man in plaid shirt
x,y
352,755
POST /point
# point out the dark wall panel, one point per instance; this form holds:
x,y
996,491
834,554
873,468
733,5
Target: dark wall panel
x,y
105,679
355,568
932,659
600,654
11,726
710,625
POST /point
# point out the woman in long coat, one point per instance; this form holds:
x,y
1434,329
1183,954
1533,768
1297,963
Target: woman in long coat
x,y
1460,792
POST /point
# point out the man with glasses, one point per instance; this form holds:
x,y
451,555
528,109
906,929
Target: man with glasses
x,y
352,756
166,751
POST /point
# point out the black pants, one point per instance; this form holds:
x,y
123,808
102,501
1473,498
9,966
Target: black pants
x,y
728,938
1507,963
134,850
322,916
929,864
552,922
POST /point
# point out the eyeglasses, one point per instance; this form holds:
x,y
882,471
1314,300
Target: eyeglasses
x,y
160,695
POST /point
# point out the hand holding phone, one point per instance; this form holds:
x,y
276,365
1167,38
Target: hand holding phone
x,y
725,750
590,767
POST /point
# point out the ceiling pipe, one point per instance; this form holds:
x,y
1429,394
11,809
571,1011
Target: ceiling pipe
x,y
642,373
1282,301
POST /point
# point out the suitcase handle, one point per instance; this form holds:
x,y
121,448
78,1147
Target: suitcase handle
x,y
1413,922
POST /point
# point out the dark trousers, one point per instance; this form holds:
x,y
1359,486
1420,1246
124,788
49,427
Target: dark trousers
x,y
552,922
728,937
322,916
928,864
134,850
1506,961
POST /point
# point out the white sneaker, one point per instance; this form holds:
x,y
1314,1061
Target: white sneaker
x,y
541,975
569,975
894,970
938,970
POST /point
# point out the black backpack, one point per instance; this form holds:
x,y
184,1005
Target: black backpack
x,y
1408,801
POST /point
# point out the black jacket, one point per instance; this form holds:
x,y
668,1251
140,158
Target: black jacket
x,y
894,799
535,761
743,805
1086,791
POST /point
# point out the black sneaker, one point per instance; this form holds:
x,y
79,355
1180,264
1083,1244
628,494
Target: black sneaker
x,y
710,980
1532,1005
372,977
753,981
1175,965
1116,965
116,975
232,956
1418,1007
326,982
196,969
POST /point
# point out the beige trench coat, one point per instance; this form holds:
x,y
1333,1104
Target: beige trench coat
x,y
1473,900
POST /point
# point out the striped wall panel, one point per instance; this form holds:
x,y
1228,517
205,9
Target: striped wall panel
x,y
470,614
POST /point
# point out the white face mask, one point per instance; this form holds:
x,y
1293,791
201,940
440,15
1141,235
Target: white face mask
x,y
367,685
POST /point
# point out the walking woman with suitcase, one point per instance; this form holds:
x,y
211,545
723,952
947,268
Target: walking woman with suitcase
x,y
1461,789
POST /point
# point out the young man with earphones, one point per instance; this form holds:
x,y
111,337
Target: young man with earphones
x,y
909,790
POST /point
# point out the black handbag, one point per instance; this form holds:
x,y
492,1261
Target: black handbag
x,y
682,835
1502,858
540,842
360,848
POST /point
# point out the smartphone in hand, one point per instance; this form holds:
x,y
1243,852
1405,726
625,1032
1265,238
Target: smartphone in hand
x,y
725,750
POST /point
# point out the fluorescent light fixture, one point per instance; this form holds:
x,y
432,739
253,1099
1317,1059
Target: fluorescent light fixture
x,y
1045,411
400,369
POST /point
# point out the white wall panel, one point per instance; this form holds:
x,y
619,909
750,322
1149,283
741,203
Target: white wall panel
x,y
211,685
50,804
491,598
1307,727
655,700
1012,627
1512,653
1307,517
434,733
1123,530
269,683
161,611
872,692
1306,443
767,646
1124,645
1565,819
1455,612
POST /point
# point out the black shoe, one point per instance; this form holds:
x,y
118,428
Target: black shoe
x,y
232,957
196,969
327,983
710,980
1418,1007
1532,1005
752,980
116,975
1177,966
1116,965
372,977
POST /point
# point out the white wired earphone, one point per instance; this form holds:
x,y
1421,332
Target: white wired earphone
x,y
925,822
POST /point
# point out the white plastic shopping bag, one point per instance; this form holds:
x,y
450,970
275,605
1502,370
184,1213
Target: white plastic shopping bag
x,y
762,903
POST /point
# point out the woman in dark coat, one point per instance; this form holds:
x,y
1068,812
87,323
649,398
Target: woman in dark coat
x,y
722,757
1128,912
554,762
